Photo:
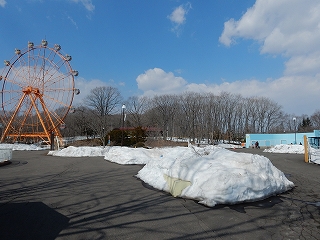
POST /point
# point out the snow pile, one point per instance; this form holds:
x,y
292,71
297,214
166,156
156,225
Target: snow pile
x,y
315,157
286,148
124,155
80,152
217,176
227,145
21,147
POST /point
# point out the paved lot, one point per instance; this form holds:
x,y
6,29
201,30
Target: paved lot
x,y
46,197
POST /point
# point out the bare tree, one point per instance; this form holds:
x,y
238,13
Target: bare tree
x,y
163,112
247,104
103,101
136,107
262,115
315,119
190,105
268,113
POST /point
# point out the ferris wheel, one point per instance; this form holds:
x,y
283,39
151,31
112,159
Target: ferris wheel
x,y
36,93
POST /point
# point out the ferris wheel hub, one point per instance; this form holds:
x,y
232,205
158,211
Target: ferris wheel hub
x,y
29,90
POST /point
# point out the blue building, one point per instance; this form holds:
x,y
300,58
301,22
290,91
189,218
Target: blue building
x,y
270,140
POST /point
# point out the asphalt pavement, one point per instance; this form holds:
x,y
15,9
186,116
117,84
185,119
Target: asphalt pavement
x,y
47,197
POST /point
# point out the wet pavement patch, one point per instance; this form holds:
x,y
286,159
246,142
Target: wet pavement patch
x,y
4,163
317,204
13,163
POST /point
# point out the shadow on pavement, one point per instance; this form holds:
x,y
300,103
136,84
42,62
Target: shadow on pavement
x,y
241,207
30,220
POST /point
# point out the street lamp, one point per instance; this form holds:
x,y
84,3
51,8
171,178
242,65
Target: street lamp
x,y
103,138
123,108
1,126
295,130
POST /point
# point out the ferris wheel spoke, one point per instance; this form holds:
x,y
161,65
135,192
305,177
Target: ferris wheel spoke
x,y
57,60
51,70
59,83
56,101
15,62
40,69
60,90
39,66
56,68
56,76
14,83
52,54
11,103
23,65
11,100
15,77
32,64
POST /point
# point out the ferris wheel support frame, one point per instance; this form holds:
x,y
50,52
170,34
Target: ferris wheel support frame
x,y
29,91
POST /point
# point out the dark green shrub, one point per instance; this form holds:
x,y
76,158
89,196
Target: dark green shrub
x,y
139,145
128,137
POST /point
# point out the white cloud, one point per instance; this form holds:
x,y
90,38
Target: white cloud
x,y
86,3
157,81
288,27
307,64
3,3
73,22
178,16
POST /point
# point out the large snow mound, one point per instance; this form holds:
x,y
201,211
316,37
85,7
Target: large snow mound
x,y
217,176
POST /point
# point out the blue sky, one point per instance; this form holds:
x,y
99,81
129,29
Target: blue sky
x,y
146,47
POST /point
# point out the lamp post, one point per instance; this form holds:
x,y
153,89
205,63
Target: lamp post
x,y
123,108
295,130
103,138
51,140
1,126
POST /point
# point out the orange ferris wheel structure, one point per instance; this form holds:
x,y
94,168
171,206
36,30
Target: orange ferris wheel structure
x,y
37,93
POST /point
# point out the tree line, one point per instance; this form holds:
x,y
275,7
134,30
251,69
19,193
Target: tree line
x,y
188,115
